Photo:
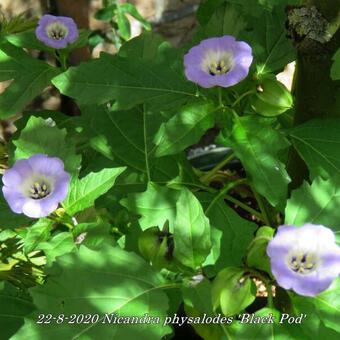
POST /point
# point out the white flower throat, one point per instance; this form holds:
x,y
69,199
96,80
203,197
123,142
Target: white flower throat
x,y
37,186
57,31
39,190
217,63
302,262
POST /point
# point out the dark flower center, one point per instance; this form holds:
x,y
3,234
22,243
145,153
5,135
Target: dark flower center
x,y
57,31
302,263
218,68
39,190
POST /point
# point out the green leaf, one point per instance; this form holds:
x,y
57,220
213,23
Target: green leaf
x,y
106,13
267,36
155,206
14,307
185,128
42,136
312,326
232,292
231,234
123,25
198,296
316,203
228,19
258,145
335,70
257,253
207,331
92,282
36,234
129,80
58,245
317,141
93,234
197,301
9,219
191,231
132,10
146,47
83,192
261,330
206,9
132,130
30,77
327,305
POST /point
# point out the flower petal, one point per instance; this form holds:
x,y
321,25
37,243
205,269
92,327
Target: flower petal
x,y
214,50
315,241
39,208
42,35
45,165
14,176
14,199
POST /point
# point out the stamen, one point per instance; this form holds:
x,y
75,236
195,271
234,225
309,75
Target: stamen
x,y
39,190
57,31
218,68
302,263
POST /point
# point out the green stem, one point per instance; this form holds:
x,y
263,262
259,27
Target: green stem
x,y
146,148
171,286
223,192
245,94
262,207
61,57
270,302
244,206
63,61
206,178
220,97
224,329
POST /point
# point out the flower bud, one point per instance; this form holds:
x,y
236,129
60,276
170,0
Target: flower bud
x,y
272,98
232,291
257,257
156,246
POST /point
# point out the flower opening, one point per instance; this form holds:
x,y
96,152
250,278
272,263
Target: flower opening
x,y
218,62
35,186
56,31
305,259
302,263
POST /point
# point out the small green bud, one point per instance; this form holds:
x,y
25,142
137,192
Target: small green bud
x,y
257,253
156,246
272,98
232,291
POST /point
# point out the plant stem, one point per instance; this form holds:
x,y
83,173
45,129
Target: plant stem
x,y
220,97
205,179
146,148
269,296
224,329
222,193
262,207
244,206
243,95
63,58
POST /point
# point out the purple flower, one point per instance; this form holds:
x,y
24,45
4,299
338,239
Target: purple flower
x,y
35,186
218,62
56,32
305,259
